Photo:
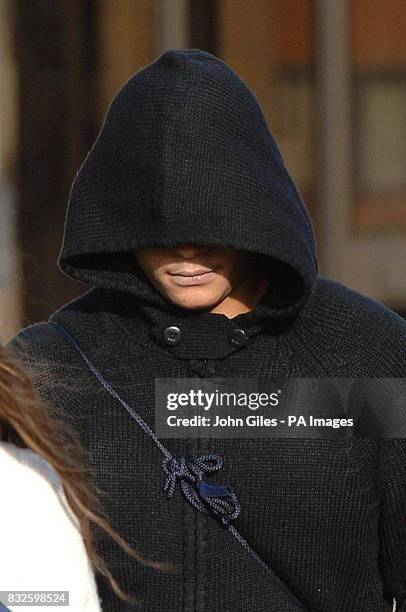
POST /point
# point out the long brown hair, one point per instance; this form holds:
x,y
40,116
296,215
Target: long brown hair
x,y
26,422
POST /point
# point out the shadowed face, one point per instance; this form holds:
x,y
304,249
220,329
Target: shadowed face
x,y
193,276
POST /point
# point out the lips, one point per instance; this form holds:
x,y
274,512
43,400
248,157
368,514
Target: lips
x,y
192,278
198,272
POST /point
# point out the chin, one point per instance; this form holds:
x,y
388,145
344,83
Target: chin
x,y
198,303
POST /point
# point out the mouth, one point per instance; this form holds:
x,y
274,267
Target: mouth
x,y
199,276
188,273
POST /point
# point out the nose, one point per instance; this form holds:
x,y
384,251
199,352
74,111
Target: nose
x,y
188,251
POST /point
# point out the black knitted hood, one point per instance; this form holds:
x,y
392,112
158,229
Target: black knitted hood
x,y
185,155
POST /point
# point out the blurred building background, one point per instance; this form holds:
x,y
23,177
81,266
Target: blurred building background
x,y
330,76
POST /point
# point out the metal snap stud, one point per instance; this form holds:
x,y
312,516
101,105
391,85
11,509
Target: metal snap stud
x,y
238,337
172,335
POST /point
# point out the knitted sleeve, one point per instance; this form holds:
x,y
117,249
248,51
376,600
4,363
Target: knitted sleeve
x,y
392,531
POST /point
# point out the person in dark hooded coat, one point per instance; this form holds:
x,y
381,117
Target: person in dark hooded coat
x,y
185,167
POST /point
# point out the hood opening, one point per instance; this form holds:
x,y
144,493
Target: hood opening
x,y
120,271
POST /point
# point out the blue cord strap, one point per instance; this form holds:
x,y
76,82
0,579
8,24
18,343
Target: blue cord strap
x,y
215,499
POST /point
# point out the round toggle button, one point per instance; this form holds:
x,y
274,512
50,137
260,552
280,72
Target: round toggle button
x,y
238,337
172,335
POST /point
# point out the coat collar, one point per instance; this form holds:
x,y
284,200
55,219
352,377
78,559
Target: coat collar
x,y
187,334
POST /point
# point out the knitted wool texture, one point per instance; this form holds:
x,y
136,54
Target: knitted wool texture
x,y
185,155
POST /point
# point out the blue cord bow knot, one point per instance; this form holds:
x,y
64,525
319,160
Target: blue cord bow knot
x,y
208,498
